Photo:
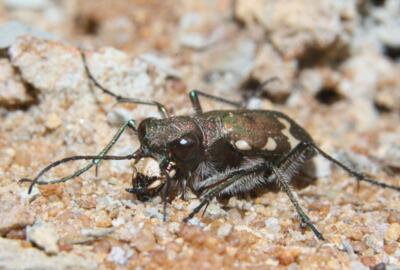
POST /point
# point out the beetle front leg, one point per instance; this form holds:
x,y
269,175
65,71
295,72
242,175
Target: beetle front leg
x,y
95,159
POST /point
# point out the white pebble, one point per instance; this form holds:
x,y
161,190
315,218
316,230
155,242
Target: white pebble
x,y
44,235
224,230
119,255
272,224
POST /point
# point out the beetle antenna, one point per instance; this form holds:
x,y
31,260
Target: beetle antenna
x,y
77,173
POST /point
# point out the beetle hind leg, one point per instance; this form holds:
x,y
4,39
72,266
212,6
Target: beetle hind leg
x,y
233,176
284,184
359,176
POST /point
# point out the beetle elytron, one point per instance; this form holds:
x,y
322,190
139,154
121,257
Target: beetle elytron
x,y
215,153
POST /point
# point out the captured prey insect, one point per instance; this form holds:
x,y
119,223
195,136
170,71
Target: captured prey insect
x,y
215,154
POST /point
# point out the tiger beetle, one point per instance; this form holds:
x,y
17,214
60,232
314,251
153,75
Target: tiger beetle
x,y
218,153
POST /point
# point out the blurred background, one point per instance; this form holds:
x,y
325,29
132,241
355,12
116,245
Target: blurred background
x,y
330,49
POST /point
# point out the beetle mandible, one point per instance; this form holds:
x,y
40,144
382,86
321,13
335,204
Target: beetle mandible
x,y
216,153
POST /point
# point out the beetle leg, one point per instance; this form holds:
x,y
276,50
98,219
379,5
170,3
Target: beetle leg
x,y
165,198
161,108
281,179
359,176
297,154
304,146
194,98
205,209
284,184
95,159
213,192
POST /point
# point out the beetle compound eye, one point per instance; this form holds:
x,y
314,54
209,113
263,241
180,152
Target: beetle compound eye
x,y
185,147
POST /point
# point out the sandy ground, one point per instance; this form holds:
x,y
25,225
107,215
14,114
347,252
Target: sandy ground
x,y
338,69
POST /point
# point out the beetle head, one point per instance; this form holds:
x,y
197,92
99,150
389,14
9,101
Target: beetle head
x,y
176,139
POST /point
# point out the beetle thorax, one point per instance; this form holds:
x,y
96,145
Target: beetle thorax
x,y
177,139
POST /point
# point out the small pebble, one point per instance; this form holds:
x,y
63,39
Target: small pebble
x,y
224,230
393,232
44,235
53,121
272,224
119,255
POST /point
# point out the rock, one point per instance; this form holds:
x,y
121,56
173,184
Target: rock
x,y
153,212
393,232
103,220
120,166
196,222
53,121
119,255
47,65
224,230
163,64
15,257
298,28
249,11
12,90
144,241
272,224
389,150
118,31
44,235
322,167
14,213
199,30
374,242
235,58
358,162
269,65
127,77
214,210
363,73
389,98
96,232
382,24
313,80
